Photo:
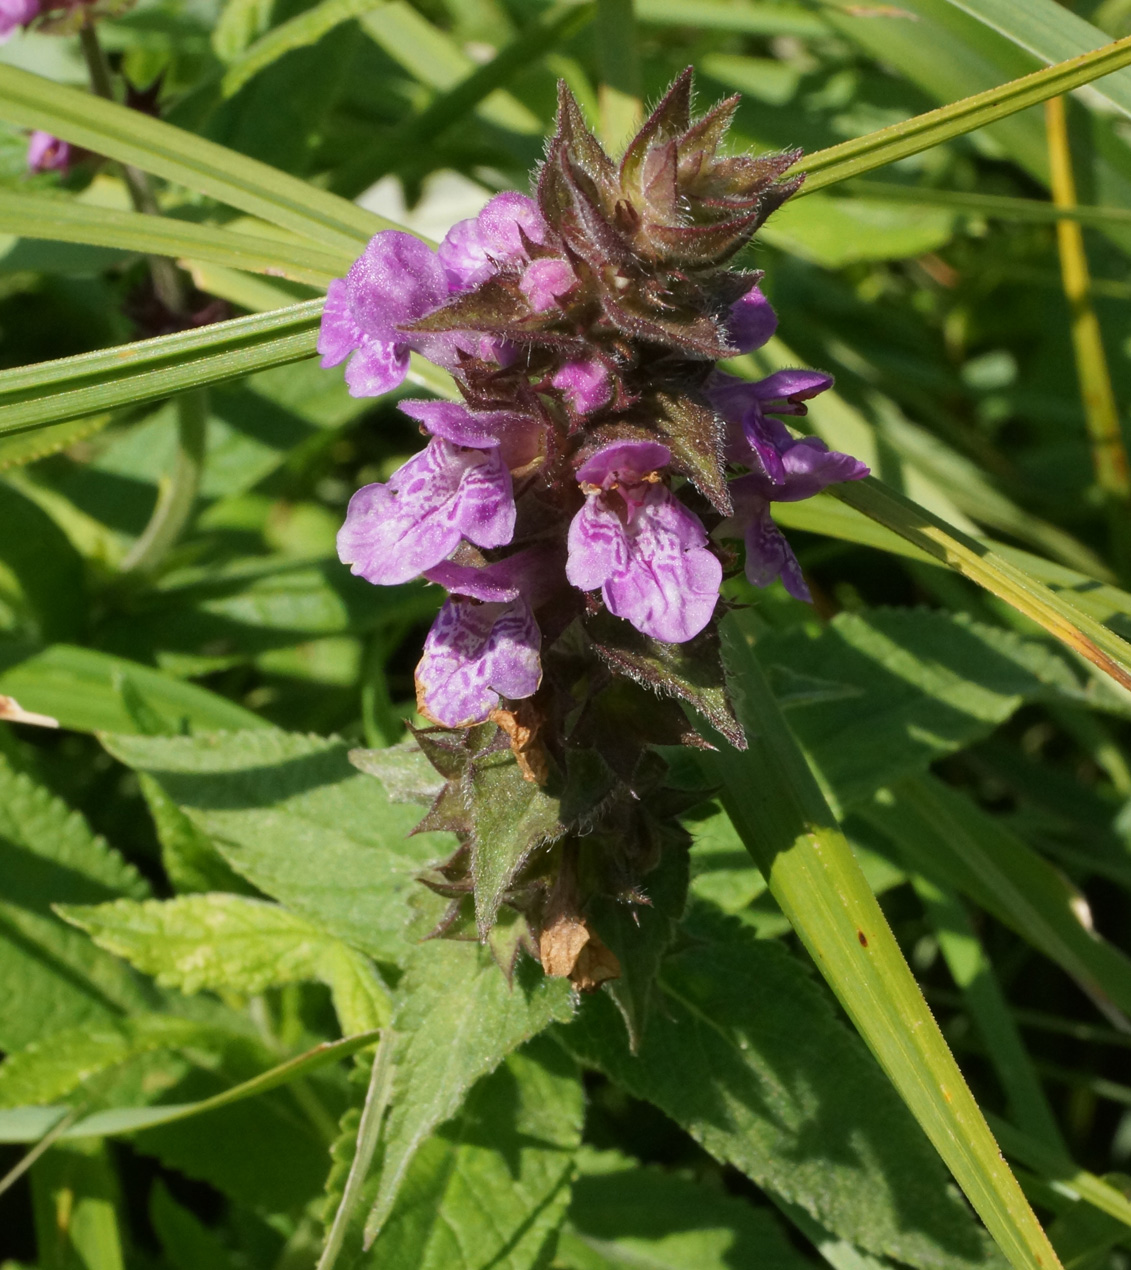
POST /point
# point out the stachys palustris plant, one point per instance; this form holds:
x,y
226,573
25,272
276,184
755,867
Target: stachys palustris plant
x,y
571,504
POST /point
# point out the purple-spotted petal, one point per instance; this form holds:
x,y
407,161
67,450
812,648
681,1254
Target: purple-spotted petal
x,y
597,545
339,334
543,281
769,555
584,384
396,280
624,462
670,585
751,321
376,368
474,654
394,532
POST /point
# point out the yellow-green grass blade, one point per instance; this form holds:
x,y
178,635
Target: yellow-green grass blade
x,y
1052,609
130,136
886,145
66,220
49,392
785,823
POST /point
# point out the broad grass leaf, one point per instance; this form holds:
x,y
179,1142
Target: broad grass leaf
x,y
458,1018
237,943
793,1100
491,1186
85,689
292,815
50,977
623,1215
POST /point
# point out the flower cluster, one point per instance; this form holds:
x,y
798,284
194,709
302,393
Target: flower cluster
x,y
573,500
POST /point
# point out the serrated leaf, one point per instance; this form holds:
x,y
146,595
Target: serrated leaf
x,y
511,818
786,1075
626,1216
292,815
50,977
234,942
190,859
916,684
457,1020
491,1186
695,435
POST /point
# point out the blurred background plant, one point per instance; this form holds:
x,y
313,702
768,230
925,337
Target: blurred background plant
x,y
170,593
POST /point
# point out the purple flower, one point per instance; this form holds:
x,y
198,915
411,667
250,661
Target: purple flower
x,y
752,321
395,532
474,249
520,437
584,384
637,542
485,646
768,554
544,280
15,13
46,153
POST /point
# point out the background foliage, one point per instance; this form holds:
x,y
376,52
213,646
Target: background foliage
x,y
208,915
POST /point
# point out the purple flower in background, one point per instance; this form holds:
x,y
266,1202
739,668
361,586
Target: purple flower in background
x,y
394,532
16,13
584,384
637,542
484,643
46,153
474,249
783,468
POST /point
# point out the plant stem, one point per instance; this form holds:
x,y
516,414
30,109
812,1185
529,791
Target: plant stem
x,y
1101,413
165,275
619,94
176,493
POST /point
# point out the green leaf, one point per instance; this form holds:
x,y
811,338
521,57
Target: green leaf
x,y
133,137
294,817
490,1187
793,1100
50,977
1052,33
946,836
1059,612
24,1124
24,448
56,1066
189,857
834,232
733,15
887,145
623,1215
188,1244
915,685
83,689
147,370
234,942
69,221
49,591
458,1018
788,828
75,1199
300,31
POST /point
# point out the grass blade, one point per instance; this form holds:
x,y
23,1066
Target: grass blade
x,y
886,145
132,137
786,825
68,221
997,206
48,392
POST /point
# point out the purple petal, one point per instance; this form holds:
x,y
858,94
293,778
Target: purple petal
x,y
46,153
455,423
597,544
544,280
396,531
397,279
624,462
534,573
769,555
339,334
474,653
502,219
670,586
463,253
376,368
14,13
790,387
751,321
810,466
584,384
